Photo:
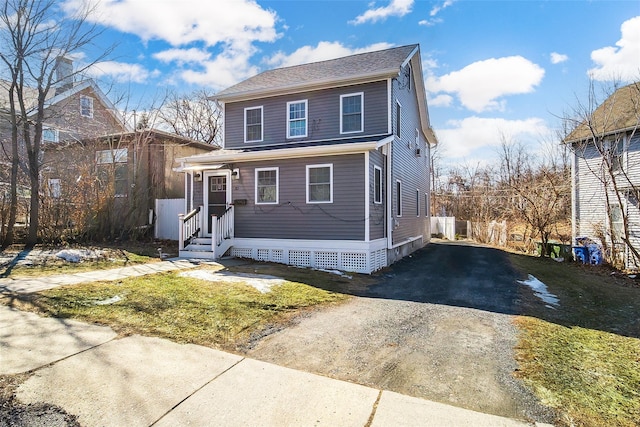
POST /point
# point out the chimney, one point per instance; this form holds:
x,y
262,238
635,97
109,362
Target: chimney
x,y
64,74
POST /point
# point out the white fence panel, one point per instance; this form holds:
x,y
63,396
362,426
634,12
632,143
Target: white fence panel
x,y
445,225
167,211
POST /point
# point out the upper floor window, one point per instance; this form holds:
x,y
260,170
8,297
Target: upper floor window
x,y
614,148
86,106
297,119
377,184
320,183
266,185
50,135
253,118
352,113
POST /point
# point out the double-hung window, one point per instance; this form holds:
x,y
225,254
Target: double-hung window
x,y
253,128
377,185
86,106
352,113
112,166
55,189
320,183
266,186
297,119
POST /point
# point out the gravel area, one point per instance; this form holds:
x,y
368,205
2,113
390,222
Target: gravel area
x,y
436,326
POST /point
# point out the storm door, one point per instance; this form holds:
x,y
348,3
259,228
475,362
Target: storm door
x,y
217,200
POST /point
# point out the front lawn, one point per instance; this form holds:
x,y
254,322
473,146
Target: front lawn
x,y
223,313
583,357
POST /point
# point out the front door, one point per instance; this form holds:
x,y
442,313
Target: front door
x,y
217,200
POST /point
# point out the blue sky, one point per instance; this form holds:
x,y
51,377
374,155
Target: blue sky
x,y
492,68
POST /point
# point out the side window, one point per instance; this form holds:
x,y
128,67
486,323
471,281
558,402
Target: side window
x,y
417,202
352,113
54,188
267,186
398,118
426,204
377,184
112,167
86,106
398,198
50,135
320,183
253,128
297,119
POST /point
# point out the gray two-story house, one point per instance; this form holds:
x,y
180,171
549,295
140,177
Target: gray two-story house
x,y
323,165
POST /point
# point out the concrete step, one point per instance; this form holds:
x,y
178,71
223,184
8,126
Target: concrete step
x,y
196,254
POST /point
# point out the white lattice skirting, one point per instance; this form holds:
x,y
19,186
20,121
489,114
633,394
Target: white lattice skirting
x,y
359,260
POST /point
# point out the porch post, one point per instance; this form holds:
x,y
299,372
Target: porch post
x,y
181,231
214,235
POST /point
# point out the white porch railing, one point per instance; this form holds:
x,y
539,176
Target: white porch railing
x,y
222,229
190,226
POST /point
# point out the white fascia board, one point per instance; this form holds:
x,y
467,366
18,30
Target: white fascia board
x,y
315,85
284,153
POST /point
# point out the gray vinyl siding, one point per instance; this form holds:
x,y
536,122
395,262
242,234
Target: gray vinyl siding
x,y
293,217
377,224
591,212
408,167
323,116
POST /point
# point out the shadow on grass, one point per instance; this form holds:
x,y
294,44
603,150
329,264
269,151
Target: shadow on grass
x,y
9,266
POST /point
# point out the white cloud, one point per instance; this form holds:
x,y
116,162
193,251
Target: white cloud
x,y
481,85
622,61
557,58
186,21
322,52
225,70
395,8
183,56
121,72
437,8
462,137
441,101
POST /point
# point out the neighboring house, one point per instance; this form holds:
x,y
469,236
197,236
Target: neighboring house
x,y
606,175
324,165
74,111
119,176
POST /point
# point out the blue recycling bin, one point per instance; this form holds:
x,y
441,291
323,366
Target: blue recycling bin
x,y
581,254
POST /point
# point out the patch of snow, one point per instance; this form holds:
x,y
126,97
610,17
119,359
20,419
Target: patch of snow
x,y
337,272
77,255
540,290
262,282
112,300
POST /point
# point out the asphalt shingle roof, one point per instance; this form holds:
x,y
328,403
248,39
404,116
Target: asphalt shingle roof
x,y
362,64
621,111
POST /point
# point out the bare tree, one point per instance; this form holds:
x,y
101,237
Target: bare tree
x,y
194,116
33,35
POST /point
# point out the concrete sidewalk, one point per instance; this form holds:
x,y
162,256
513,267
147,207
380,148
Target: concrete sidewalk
x,y
143,381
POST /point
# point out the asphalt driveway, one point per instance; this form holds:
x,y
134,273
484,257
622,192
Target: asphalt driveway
x,y
436,325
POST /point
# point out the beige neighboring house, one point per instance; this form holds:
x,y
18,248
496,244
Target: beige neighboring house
x,y
606,156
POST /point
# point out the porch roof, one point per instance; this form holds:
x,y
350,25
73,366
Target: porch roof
x,y
215,159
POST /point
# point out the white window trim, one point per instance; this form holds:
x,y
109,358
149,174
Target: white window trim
x,y
375,201
398,198
90,115
324,165
277,185
306,119
116,155
361,95
261,108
